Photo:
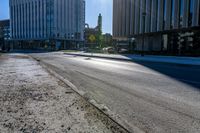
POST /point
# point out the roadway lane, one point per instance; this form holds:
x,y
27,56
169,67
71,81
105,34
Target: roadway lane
x,y
154,97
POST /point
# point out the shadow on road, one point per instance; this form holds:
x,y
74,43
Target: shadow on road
x,y
187,74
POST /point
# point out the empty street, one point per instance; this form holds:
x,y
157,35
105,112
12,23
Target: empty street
x,y
151,97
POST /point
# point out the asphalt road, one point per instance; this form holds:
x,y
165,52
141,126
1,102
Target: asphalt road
x,y
155,97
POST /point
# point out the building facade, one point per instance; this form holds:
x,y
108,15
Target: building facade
x,y
4,34
55,21
170,26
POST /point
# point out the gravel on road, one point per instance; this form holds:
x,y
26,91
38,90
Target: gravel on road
x,y
32,100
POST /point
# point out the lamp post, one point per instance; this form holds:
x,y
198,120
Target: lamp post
x,y
143,17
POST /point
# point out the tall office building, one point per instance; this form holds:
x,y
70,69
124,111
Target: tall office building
x,y
4,34
163,25
55,21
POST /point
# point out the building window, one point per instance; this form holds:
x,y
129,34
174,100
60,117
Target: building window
x,y
49,16
29,20
23,20
199,15
26,22
140,7
43,20
191,7
20,21
164,13
158,15
36,22
150,10
181,12
11,12
39,24
32,28
172,14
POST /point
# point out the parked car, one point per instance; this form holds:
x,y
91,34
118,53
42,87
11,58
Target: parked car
x,y
84,49
123,51
109,50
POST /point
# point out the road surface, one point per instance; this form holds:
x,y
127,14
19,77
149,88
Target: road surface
x,y
33,101
155,97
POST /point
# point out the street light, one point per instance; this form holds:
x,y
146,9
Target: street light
x,y
143,16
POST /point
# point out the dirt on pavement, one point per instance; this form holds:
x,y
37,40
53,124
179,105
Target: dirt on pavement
x,y
33,101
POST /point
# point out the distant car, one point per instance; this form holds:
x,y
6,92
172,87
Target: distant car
x,y
123,51
84,49
109,50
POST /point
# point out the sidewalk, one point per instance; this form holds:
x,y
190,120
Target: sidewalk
x,y
31,100
149,58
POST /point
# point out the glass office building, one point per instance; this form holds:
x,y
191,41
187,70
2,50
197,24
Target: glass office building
x,y
163,25
58,21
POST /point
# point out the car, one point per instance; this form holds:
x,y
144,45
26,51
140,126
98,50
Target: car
x,y
123,51
109,50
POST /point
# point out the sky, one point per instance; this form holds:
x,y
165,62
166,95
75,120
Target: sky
x,y
93,8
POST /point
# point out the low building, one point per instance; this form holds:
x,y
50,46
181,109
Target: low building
x,y
4,34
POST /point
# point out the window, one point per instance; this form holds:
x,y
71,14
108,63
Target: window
x,y
172,14
11,11
158,15
39,21
43,20
29,19
139,1
23,20
49,16
36,22
191,7
164,13
199,16
32,18
181,11
150,10
144,11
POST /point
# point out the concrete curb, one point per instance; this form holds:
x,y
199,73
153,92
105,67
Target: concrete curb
x,y
95,56
124,125
131,60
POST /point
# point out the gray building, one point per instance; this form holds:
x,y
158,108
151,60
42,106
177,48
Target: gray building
x,y
4,34
58,23
170,26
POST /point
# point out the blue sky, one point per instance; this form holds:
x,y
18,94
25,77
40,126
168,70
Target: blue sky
x,y
4,9
93,8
